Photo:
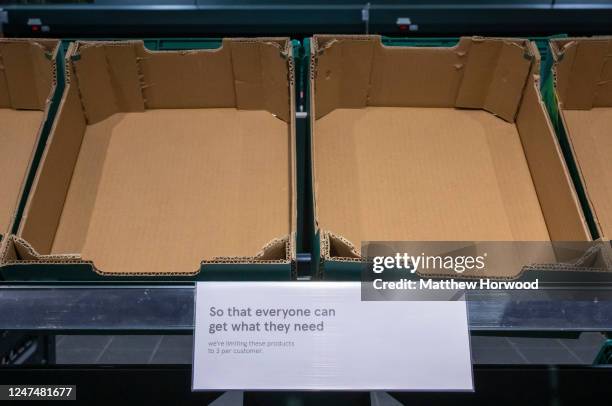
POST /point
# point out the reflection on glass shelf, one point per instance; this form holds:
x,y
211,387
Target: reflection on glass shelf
x,y
173,349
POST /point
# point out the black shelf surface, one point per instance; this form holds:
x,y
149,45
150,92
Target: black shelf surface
x,y
298,19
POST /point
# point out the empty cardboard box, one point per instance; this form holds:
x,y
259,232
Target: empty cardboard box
x,y
27,88
433,144
169,163
582,104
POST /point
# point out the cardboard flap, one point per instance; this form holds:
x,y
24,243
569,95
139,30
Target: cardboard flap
x,y
187,79
261,77
46,201
277,249
21,250
27,74
7,250
417,77
479,73
247,74
108,79
548,171
583,72
599,256
341,247
17,249
494,77
18,72
125,77
603,93
342,74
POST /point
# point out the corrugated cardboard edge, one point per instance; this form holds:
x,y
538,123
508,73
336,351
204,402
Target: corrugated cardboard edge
x,y
289,241
557,52
52,56
601,253
13,246
3,242
326,239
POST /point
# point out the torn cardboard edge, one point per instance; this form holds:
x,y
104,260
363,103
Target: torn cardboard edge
x,y
579,64
457,62
279,250
40,84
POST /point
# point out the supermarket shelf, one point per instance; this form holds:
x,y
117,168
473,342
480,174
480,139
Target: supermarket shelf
x,y
169,310
307,17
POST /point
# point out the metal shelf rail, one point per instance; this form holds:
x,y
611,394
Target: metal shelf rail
x,y
168,309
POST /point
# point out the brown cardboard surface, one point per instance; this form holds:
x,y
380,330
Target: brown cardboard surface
x,y
27,83
388,173
553,184
161,190
18,135
53,178
159,161
583,86
591,136
494,78
27,72
125,77
447,144
583,72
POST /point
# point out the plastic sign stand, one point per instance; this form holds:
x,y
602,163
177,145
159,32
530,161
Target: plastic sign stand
x,y
321,336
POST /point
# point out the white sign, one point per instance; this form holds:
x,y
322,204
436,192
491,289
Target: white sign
x,y
321,336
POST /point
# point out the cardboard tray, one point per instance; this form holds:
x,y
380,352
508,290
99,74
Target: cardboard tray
x,y
393,123
301,72
118,198
303,59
